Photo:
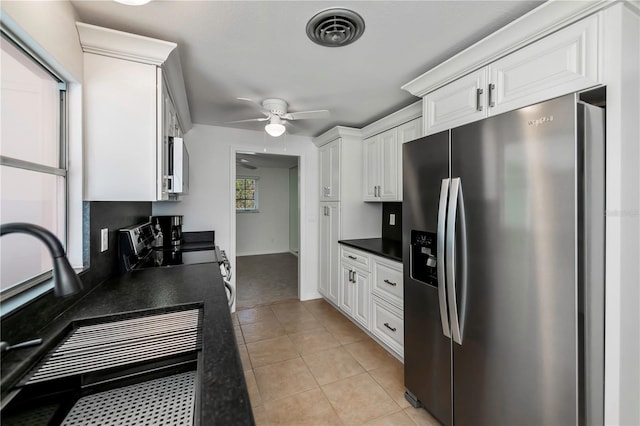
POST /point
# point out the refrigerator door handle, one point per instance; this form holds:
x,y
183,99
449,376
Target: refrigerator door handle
x,y
455,200
440,253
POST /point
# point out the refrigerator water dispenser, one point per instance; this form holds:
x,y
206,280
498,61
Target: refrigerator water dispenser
x,y
423,257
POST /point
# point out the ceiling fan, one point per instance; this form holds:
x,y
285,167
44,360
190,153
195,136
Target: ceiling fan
x,y
243,162
275,112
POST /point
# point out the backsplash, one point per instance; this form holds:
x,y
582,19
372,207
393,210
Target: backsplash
x,y
24,323
392,232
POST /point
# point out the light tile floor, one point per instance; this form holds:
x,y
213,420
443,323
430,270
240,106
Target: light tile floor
x,y
307,364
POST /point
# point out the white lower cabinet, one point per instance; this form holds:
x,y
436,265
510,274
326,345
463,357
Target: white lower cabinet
x,y
371,293
387,324
355,293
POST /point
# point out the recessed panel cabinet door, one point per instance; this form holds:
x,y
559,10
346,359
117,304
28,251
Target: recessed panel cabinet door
x,y
330,171
328,276
389,165
362,295
370,168
459,102
347,289
562,63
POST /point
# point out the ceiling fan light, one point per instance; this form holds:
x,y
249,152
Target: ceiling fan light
x,y
133,2
275,129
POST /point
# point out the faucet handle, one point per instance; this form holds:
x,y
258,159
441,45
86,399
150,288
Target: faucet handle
x,y
5,347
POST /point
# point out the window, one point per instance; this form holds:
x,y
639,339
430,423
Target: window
x,y
33,169
247,194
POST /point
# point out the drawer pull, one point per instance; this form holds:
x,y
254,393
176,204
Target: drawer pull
x,y
386,324
352,257
390,283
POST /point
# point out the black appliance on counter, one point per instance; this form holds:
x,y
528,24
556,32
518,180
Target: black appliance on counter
x,y
138,248
167,230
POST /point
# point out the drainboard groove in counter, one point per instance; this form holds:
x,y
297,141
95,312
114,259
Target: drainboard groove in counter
x,y
142,339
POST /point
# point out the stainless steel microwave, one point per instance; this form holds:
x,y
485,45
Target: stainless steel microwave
x,y
178,167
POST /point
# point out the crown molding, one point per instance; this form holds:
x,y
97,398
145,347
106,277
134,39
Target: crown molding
x,y
392,120
541,21
118,44
335,133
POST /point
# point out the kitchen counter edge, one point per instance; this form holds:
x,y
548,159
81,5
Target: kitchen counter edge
x,y
224,398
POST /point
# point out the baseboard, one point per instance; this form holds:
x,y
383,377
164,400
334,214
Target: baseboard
x,y
295,253
258,253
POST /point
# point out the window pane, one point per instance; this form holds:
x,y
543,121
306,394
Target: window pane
x,y
33,197
30,113
251,204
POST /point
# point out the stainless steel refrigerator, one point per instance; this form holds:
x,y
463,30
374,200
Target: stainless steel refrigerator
x,y
503,233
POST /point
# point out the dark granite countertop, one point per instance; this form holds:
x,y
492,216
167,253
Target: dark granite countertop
x,y
223,393
389,249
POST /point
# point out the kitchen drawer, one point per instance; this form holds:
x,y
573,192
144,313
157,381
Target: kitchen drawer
x,y
388,324
356,258
388,281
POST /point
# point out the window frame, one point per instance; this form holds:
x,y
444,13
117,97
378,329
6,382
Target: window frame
x,y
63,161
256,209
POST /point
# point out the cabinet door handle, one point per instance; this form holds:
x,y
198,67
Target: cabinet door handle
x,y
350,279
491,102
386,324
354,277
379,191
390,283
478,100
351,257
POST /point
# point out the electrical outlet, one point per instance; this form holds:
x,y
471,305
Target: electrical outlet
x,y
104,239
392,219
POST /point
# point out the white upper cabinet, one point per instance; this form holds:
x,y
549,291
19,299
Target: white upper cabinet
x,y
561,63
382,154
129,115
456,103
409,131
564,62
380,167
330,171
370,168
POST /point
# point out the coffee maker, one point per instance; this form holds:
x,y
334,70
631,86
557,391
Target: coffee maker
x,y
167,229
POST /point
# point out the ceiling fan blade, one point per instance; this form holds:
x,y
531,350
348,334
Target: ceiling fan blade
x,y
256,105
248,120
306,115
246,166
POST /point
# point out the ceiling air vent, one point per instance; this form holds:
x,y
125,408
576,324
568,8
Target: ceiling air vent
x,y
335,27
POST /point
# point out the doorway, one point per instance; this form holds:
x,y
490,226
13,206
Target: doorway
x,y
267,228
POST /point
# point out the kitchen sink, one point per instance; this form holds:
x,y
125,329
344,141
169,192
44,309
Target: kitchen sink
x,y
99,382
104,394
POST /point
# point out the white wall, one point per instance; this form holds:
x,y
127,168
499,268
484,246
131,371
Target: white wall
x,y
267,230
294,210
211,201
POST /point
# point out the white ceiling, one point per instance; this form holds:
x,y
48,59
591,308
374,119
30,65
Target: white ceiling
x,y
259,49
